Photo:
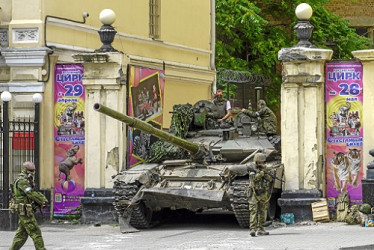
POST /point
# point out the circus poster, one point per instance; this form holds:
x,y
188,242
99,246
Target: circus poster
x,y
145,102
344,131
69,139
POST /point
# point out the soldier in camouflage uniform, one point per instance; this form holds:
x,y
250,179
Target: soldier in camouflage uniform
x,y
258,201
268,119
25,200
223,105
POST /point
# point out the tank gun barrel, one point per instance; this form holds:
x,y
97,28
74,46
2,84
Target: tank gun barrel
x,y
148,128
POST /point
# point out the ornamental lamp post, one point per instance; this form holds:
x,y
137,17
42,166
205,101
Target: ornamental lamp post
x,y
5,97
37,98
107,32
303,27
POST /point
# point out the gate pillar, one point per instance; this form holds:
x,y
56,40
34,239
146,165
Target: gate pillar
x,y
303,128
303,120
367,59
105,82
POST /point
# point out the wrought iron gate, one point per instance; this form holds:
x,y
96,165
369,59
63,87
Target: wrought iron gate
x,y
17,145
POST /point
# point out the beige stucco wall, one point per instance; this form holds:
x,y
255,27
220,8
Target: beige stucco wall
x,y
186,24
183,51
191,94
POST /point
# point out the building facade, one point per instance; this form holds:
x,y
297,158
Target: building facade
x,y
360,14
36,35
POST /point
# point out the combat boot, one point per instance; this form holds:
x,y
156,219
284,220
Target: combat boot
x,y
262,232
253,233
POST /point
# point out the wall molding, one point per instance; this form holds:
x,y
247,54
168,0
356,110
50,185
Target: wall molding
x,y
94,30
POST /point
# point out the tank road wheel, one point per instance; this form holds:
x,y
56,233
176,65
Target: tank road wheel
x,y
240,202
141,216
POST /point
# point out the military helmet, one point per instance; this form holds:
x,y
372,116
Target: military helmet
x,y
261,103
259,157
365,208
28,167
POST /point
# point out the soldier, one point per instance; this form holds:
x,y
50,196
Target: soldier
x,y
258,201
268,118
25,199
223,105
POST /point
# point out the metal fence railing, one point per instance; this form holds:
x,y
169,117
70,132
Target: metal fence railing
x,y
20,145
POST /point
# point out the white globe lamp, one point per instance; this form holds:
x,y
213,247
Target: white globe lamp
x,y
304,11
37,98
6,96
107,16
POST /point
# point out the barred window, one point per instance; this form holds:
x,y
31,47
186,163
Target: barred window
x,y
154,18
362,31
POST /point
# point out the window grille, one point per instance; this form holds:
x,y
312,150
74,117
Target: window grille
x,y
154,18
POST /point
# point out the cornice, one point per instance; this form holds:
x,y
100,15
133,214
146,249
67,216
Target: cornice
x,y
21,57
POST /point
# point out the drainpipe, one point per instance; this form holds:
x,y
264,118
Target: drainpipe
x,y
213,40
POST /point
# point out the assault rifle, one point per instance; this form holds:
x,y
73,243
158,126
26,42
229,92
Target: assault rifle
x,y
39,196
271,172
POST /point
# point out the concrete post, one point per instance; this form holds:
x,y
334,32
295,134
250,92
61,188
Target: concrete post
x,y
303,128
367,59
104,79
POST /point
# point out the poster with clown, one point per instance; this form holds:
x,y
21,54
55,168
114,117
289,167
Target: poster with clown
x,y
69,138
344,131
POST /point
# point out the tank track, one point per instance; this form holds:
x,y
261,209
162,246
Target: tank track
x,y
240,202
125,192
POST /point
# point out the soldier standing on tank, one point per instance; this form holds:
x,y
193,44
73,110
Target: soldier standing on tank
x,y
260,195
224,106
25,200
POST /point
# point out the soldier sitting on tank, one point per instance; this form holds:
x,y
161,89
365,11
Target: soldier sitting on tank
x,y
261,181
224,109
268,120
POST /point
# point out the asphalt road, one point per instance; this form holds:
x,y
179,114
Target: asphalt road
x,y
202,232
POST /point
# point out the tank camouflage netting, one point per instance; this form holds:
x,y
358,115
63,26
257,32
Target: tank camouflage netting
x,y
180,123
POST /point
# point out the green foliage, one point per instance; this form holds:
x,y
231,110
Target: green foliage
x,y
250,34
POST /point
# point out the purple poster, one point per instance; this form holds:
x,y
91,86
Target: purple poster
x,y
69,101
344,130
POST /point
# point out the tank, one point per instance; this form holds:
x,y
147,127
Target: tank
x,y
208,173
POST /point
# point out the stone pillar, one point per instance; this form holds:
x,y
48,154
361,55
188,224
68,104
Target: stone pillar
x,y
303,128
104,79
367,59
